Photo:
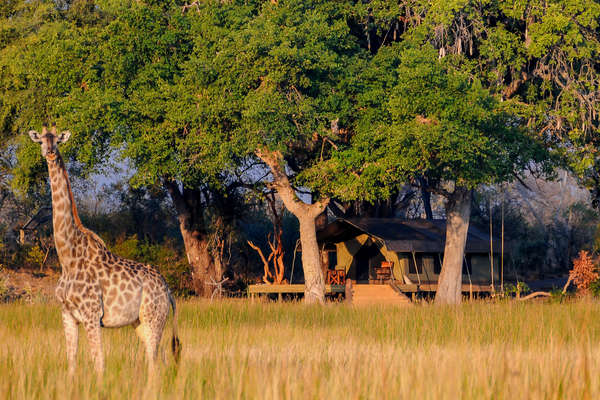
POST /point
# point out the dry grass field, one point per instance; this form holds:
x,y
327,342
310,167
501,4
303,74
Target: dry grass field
x,y
239,350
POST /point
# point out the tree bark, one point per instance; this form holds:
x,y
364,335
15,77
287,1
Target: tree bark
x,y
200,259
426,196
458,213
307,214
195,238
311,260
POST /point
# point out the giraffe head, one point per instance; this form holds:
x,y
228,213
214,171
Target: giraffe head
x,y
49,140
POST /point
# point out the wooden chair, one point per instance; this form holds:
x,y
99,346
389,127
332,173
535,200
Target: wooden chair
x,y
336,277
341,276
384,272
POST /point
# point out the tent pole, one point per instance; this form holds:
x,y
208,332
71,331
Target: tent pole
x,y
469,275
502,246
491,251
416,267
294,260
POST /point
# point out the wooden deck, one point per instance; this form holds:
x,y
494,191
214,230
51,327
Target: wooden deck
x,y
432,287
294,288
333,289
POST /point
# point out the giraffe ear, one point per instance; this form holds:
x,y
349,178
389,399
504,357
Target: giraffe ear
x,y
35,136
64,136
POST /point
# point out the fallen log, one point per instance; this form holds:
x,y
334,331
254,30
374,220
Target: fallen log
x,y
534,295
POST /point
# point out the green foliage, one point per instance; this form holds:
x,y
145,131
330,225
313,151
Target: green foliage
x,y
595,288
518,290
437,123
44,56
557,296
540,58
34,256
5,289
185,96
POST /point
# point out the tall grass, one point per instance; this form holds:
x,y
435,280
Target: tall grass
x,y
235,349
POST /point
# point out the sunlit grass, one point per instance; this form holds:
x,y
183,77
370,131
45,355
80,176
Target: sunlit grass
x,y
235,349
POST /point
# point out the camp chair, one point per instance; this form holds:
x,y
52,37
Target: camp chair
x,y
336,277
384,272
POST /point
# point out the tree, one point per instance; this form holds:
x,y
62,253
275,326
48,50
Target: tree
x,y
117,80
441,124
261,85
187,95
538,58
284,74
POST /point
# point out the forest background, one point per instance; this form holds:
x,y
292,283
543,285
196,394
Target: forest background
x,y
199,127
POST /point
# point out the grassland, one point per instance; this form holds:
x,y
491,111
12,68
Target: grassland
x,y
235,349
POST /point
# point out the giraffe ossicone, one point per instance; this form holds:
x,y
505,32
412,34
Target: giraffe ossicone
x,y
98,288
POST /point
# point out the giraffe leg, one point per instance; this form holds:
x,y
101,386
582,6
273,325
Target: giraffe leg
x,y
72,337
153,316
95,341
150,334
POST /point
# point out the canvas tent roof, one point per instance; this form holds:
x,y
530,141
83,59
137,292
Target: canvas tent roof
x,y
405,235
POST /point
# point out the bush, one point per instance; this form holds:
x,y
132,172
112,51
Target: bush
x,y
34,256
518,290
595,288
584,272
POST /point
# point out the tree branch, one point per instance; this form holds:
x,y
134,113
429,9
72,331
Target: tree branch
x,y
281,183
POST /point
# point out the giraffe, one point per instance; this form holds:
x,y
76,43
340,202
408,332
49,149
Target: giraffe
x,y
98,288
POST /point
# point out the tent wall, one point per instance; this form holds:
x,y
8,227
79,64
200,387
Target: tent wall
x,y
480,265
480,268
346,252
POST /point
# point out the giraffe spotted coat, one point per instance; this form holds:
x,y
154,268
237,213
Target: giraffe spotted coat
x,y
98,288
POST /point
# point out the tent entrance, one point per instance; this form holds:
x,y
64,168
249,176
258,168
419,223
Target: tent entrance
x,y
365,260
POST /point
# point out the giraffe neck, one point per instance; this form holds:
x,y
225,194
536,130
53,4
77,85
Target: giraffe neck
x,y
66,223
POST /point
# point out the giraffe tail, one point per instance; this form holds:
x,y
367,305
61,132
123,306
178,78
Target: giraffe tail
x,y
175,343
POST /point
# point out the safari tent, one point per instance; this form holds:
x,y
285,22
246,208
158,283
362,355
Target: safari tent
x,y
412,248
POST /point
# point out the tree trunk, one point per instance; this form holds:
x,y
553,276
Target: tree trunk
x,y
426,196
458,213
307,214
311,260
200,259
195,237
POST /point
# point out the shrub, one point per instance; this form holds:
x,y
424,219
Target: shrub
x,y
584,272
519,289
595,288
34,256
